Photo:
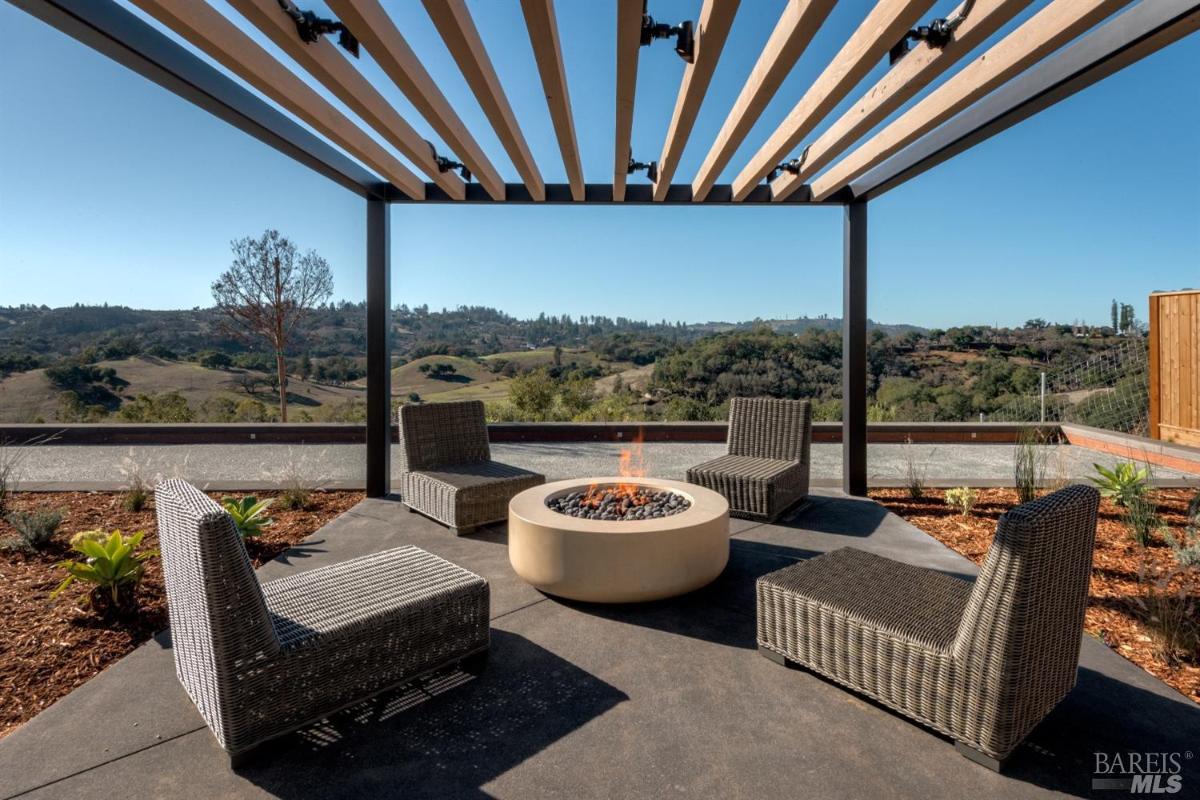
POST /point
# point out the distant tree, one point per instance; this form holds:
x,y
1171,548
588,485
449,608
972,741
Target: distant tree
x,y
306,366
1036,324
439,371
1126,318
214,359
557,356
1115,319
248,382
267,290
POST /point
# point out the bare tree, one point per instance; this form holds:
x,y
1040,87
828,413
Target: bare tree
x,y
268,289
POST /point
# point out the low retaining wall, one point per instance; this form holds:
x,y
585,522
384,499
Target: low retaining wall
x,y
1135,448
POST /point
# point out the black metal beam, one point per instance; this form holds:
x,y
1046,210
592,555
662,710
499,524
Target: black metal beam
x,y
122,36
1144,29
854,351
601,194
379,358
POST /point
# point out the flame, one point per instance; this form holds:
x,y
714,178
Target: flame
x,y
632,465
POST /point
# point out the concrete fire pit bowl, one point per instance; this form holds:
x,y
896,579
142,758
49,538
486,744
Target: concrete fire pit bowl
x,y
618,561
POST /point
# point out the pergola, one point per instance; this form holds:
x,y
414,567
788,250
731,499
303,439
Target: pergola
x,y
1063,48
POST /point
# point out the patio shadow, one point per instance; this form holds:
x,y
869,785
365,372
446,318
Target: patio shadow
x,y
446,736
1107,715
691,615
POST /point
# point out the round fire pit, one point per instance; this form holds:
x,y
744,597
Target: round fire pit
x,y
678,543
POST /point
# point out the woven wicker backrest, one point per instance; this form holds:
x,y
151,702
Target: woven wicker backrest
x,y
219,618
765,427
1019,636
435,435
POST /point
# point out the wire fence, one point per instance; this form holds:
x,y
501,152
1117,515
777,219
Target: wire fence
x,y
1109,390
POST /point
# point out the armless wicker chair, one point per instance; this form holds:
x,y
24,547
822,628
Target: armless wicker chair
x,y
765,471
982,664
260,661
446,467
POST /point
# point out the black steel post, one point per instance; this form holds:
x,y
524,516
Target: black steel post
x,y
854,351
379,358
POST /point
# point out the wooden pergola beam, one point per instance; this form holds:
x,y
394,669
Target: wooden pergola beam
x,y
455,25
1107,49
547,51
209,30
1040,35
883,27
915,71
374,28
797,25
325,62
629,45
712,30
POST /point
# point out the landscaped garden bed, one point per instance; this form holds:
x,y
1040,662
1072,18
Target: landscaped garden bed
x,y
50,646
1125,601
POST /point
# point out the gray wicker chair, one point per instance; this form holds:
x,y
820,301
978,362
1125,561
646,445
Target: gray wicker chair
x,y
260,661
765,471
446,471
981,663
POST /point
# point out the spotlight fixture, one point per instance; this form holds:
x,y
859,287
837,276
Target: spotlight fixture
x,y
651,169
311,27
937,34
445,164
684,33
792,166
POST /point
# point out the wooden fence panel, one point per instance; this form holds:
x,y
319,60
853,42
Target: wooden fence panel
x,y
1175,366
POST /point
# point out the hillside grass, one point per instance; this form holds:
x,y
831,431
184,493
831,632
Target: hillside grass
x,y
25,396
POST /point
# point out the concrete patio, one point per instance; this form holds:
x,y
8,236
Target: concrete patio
x,y
658,700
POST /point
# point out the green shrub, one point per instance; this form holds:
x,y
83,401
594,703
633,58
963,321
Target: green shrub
x,y
1141,518
963,498
914,472
34,530
249,514
135,496
111,563
1122,483
1029,464
294,496
1169,611
165,407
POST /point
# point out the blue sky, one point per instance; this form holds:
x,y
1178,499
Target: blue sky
x,y
114,190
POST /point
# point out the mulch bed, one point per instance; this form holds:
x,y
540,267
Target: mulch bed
x,y
1113,613
49,647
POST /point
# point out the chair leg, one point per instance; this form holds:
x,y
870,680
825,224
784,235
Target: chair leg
x,y
983,759
474,663
771,655
239,760
466,531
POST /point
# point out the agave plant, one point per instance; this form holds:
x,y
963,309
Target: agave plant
x,y
249,514
1122,483
111,562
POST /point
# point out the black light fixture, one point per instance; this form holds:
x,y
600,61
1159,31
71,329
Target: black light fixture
x,y
792,166
311,27
651,169
684,33
445,164
937,34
